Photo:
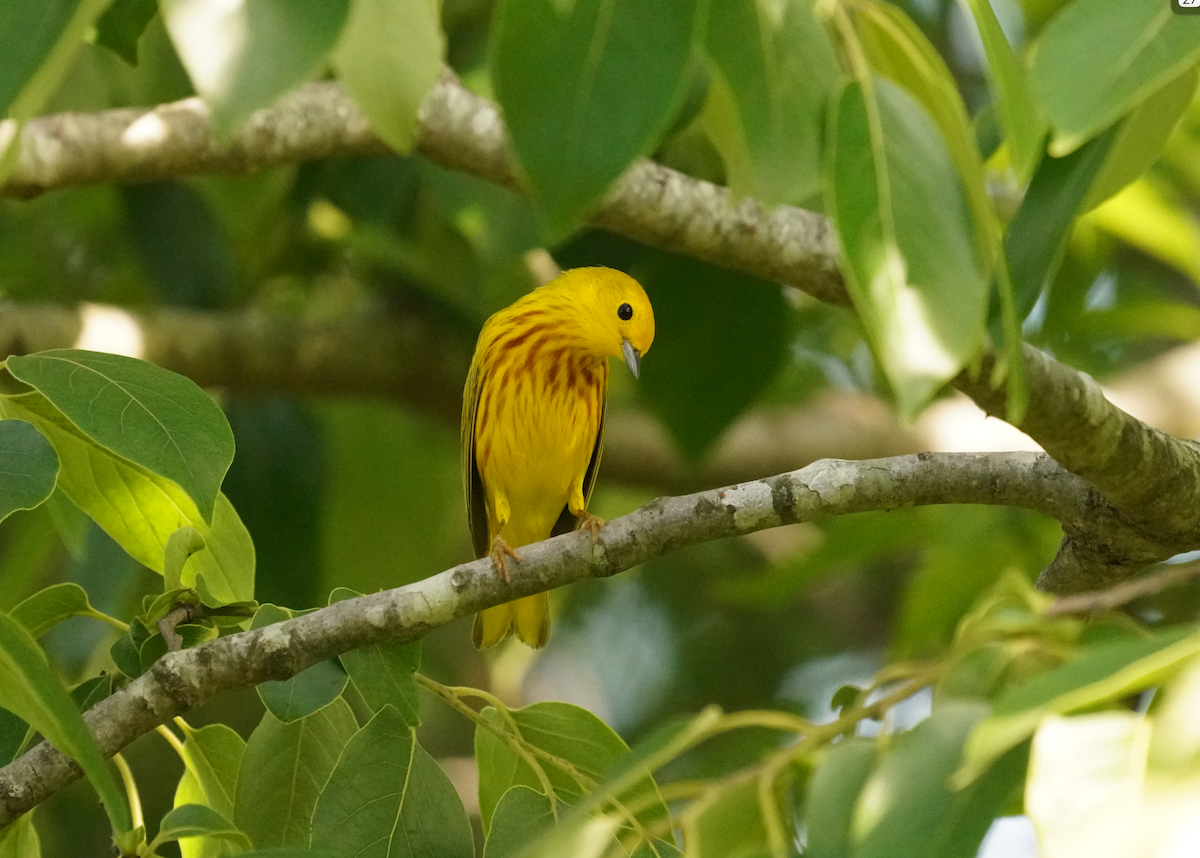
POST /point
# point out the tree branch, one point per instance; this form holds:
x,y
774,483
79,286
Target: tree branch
x,y
1153,479
181,681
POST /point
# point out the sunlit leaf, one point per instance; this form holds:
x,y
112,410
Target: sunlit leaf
x,y
49,607
211,756
1142,136
28,467
1023,125
909,249
389,57
1144,215
197,820
151,416
30,689
586,91
1097,59
141,511
20,840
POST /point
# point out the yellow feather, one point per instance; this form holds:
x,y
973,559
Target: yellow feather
x,y
533,421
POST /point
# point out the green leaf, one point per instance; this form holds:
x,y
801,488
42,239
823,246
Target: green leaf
x,y
211,756
13,732
900,51
384,673
306,692
20,840
727,820
520,818
1103,674
151,416
197,820
49,607
772,70
28,467
31,690
1097,59
1141,137
243,56
907,799
722,337
283,771
38,38
833,794
388,797
1018,113
1037,237
909,254
585,91
566,731
140,510
120,27
389,57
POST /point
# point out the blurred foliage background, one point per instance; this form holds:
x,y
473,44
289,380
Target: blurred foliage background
x,y
364,493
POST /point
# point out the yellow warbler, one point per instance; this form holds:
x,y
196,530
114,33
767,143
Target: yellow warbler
x,y
533,422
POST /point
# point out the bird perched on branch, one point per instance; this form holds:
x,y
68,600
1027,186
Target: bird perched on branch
x,y
533,423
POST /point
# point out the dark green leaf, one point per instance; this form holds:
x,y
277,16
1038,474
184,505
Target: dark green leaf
x,y
47,608
197,820
283,771
721,337
847,695
976,806
522,816
91,691
37,40
772,70
243,56
910,255
1097,59
190,635
587,89
908,798
13,732
120,27
833,794
28,467
388,797
389,57
149,415
305,693
30,689
384,673
1037,237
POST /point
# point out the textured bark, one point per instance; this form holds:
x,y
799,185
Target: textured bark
x,y
181,681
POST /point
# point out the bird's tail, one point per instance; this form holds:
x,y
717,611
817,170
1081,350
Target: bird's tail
x,y
528,617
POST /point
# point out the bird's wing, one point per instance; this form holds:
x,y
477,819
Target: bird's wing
x,y
477,518
566,521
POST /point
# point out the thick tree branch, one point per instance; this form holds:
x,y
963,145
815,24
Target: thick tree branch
x,y
1152,478
181,681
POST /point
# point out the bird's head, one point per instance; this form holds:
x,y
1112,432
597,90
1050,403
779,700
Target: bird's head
x,y
619,321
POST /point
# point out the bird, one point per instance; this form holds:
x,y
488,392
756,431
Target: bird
x,y
533,423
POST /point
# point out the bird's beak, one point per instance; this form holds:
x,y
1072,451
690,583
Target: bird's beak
x,y
633,358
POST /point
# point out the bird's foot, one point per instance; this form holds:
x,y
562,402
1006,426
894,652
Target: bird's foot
x,y
592,524
500,554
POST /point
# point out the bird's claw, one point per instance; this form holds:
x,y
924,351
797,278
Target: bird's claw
x,y
500,554
592,524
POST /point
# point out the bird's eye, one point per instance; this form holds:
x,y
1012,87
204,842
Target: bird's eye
x,y
624,312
